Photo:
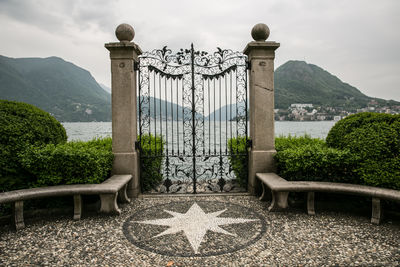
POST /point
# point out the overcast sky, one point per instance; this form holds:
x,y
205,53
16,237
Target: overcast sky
x,y
356,40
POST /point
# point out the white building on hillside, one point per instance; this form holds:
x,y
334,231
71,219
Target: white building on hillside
x,y
301,105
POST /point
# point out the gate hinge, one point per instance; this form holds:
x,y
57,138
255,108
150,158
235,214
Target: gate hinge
x,y
248,65
249,143
135,65
137,145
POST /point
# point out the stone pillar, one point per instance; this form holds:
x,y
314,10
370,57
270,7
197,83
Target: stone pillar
x,y
261,55
123,56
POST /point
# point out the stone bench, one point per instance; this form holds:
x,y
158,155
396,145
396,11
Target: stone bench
x,y
280,189
111,189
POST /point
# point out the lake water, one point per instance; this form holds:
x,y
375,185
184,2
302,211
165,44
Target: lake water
x,y
211,148
85,131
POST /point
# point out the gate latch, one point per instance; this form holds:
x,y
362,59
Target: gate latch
x,y
249,143
137,145
135,65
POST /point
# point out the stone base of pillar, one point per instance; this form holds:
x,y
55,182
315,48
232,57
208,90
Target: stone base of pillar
x,y
259,161
128,163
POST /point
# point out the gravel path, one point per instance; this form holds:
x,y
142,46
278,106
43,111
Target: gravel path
x,y
135,238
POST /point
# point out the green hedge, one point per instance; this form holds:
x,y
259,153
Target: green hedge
x,y
309,159
353,122
69,163
83,162
362,149
384,173
152,151
285,142
237,147
22,125
374,141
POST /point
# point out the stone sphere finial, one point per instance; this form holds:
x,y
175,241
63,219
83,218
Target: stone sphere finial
x,y
124,32
260,32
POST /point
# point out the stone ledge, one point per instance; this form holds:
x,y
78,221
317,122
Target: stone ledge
x,y
260,45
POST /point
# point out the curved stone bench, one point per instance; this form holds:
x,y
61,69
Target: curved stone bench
x,y
280,189
111,189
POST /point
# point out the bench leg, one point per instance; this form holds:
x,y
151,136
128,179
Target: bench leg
x,y
122,195
263,195
18,215
109,203
376,211
279,201
310,203
77,207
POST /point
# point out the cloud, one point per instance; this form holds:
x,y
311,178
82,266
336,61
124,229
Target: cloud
x,y
355,40
59,17
43,14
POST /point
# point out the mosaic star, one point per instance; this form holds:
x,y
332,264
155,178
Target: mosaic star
x,y
195,223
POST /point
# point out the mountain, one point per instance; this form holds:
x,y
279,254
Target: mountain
x,y
227,112
70,93
299,82
61,88
105,87
169,110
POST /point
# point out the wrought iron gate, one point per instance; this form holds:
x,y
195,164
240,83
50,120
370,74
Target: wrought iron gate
x,y
190,104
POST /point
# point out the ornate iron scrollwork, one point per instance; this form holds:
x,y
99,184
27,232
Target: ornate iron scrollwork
x,y
180,96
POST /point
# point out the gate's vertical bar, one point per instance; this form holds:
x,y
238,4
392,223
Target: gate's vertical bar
x,y
183,117
220,127
226,115
245,87
159,89
177,113
209,117
220,114
172,121
166,129
237,113
123,55
204,148
261,56
140,98
215,114
155,116
166,114
230,109
246,130
193,122
140,105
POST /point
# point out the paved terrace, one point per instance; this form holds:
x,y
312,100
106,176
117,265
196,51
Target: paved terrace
x,y
227,231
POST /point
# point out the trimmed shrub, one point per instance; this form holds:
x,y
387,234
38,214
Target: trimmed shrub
x,y
22,125
298,158
352,122
384,173
152,151
314,161
69,163
285,142
374,141
237,147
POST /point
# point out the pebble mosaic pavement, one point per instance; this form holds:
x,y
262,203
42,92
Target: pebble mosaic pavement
x,y
142,236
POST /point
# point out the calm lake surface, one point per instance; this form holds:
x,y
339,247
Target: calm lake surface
x,y
85,131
